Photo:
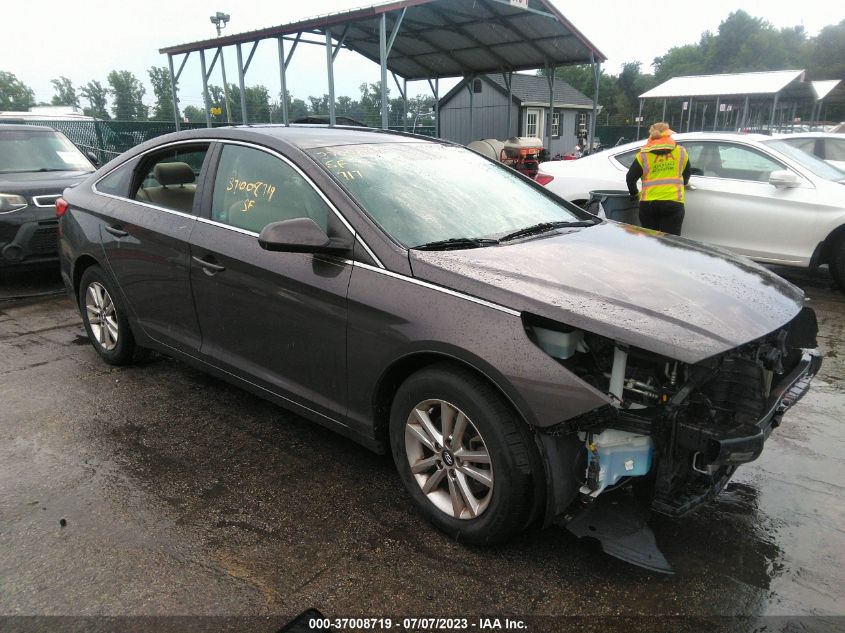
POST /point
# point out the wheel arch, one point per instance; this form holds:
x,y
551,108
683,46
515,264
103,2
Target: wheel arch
x,y
402,368
82,263
405,366
826,250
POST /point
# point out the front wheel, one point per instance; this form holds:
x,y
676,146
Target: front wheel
x,y
837,263
105,319
463,454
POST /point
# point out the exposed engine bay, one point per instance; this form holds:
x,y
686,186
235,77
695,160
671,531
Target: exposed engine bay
x,y
678,431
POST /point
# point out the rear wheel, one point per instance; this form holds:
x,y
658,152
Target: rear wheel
x,y
105,319
463,454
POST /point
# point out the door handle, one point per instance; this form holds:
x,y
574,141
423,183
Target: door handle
x,y
209,267
116,231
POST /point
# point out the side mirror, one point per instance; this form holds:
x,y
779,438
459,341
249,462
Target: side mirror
x,y
784,179
93,158
299,235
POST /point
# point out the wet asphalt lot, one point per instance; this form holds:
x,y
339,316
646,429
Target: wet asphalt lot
x,y
182,495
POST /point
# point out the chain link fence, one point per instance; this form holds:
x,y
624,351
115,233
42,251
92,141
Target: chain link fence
x,y
107,139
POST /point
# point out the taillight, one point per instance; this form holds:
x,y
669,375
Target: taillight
x,y
544,179
61,207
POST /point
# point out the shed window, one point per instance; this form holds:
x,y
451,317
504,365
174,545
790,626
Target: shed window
x,y
476,85
555,123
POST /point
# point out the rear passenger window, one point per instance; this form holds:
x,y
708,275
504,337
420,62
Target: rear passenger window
x,y
117,182
169,178
253,189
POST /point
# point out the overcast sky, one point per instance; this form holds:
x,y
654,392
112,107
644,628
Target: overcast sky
x,y
86,39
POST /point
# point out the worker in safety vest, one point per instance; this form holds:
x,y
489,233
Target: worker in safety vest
x,y
664,168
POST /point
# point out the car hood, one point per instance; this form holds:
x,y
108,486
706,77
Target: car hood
x,y
40,181
661,293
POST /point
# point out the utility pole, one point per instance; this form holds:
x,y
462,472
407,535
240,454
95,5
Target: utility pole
x,y
220,20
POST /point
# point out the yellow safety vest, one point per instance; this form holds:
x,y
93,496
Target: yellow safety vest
x,y
663,174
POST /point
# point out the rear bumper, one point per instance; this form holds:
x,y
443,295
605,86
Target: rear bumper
x,y
715,448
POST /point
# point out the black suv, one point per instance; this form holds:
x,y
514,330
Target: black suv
x,y
36,165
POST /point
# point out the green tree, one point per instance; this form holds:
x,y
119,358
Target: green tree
x,y
194,114
257,103
826,58
297,108
97,96
370,103
160,80
14,94
319,105
127,93
65,93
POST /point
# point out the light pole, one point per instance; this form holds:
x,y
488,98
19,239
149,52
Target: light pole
x,y
220,20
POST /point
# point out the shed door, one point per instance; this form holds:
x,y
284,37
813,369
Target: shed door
x,y
533,122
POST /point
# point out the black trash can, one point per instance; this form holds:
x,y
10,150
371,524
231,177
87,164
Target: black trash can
x,y
616,204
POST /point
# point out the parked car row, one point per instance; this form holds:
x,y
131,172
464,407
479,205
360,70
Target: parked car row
x,y
755,195
519,357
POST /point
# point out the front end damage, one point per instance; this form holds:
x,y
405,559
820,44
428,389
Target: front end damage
x,y
673,432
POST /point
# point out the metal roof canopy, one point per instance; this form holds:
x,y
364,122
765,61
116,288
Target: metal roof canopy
x,y
762,83
767,85
416,40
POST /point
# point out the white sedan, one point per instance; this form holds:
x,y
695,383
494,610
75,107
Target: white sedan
x,y
827,146
753,194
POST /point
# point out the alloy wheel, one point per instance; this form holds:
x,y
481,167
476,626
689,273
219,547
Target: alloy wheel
x,y
449,459
101,316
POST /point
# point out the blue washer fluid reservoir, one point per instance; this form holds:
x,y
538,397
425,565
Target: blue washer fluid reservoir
x,y
620,454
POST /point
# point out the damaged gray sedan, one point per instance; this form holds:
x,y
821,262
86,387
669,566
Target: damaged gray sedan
x,y
522,360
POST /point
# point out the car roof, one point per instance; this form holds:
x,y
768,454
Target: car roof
x,y
312,136
811,135
5,127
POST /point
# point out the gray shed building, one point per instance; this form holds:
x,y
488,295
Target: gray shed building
x,y
478,108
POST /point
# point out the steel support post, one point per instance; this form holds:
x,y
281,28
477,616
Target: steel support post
x,y
596,77
663,117
509,82
639,119
716,114
774,109
330,66
225,87
382,45
437,107
551,80
283,81
173,92
689,115
205,98
241,83
471,108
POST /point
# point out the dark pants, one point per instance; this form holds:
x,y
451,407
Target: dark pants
x,y
662,215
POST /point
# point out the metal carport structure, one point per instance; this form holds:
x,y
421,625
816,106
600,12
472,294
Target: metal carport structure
x,y
414,40
769,87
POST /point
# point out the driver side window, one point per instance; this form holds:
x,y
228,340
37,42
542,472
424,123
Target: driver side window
x,y
253,189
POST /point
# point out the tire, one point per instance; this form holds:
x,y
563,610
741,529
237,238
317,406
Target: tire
x,y
495,447
837,263
104,316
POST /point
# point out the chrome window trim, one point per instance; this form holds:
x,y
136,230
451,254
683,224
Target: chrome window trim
x,y
444,290
190,216
245,144
310,182
223,225
52,203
